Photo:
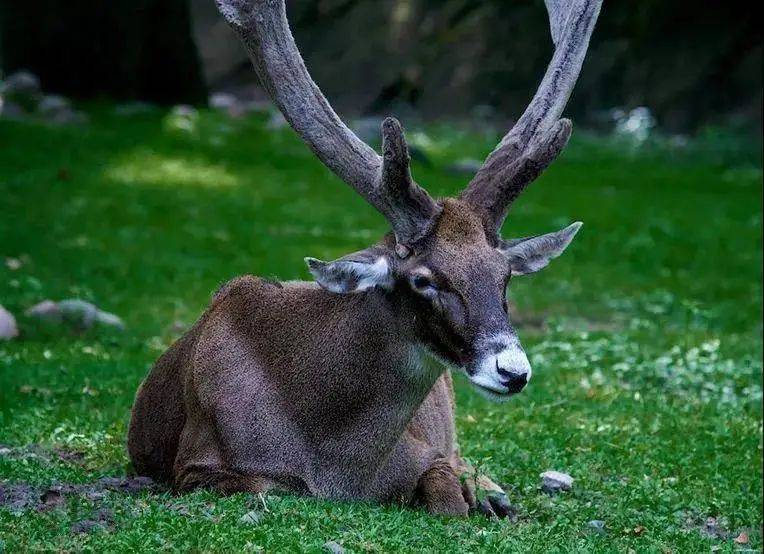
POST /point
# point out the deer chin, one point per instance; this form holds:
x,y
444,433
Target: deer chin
x,y
491,395
490,389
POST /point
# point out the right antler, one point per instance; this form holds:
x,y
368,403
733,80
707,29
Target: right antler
x,y
385,182
539,135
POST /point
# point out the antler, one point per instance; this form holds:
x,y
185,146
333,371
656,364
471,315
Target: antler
x,y
539,135
385,183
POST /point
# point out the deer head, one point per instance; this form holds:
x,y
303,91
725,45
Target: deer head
x,y
444,266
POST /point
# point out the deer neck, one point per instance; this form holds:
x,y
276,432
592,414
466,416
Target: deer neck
x,y
386,379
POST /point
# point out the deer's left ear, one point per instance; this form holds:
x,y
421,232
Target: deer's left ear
x,y
354,273
530,254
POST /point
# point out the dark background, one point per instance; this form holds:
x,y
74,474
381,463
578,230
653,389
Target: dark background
x,y
693,63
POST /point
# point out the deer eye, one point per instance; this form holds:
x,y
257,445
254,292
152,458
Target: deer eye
x,y
424,284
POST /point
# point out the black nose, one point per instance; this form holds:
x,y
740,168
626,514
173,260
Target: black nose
x,y
515,382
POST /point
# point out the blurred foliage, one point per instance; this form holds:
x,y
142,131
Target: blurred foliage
x,y
128,49
692,63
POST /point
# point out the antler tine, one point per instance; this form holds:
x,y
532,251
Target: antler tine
x,y
263,28
539,135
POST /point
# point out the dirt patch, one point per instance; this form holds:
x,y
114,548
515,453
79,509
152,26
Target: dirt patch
x,y
39,452
18,497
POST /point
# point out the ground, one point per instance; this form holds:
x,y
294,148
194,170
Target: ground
x,y
645,336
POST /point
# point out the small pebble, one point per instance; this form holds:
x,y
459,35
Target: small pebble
x,y
333,547
8,328
251,518
46,311
555,481
596,525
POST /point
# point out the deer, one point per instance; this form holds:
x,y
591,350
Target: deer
x,y
341,388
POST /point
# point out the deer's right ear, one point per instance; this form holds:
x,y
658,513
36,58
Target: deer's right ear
x,y
353,273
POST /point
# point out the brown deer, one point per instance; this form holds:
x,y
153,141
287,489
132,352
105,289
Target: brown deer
x,y
327,388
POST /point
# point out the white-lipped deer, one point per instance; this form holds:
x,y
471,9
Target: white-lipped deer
x,y
325,388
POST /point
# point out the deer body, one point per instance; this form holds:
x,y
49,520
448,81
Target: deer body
x,y
328,388
278,404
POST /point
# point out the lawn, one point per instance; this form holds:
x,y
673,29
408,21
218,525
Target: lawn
x,y
645,336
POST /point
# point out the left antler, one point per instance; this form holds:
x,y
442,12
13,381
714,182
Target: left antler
x,y
385,182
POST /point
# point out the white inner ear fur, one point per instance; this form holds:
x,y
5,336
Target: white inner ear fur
x,y
377,274
349,276
534,253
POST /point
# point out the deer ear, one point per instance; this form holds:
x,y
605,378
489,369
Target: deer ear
x,y
354,273
530,254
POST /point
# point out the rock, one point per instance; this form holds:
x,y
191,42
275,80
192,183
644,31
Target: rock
x,y
53,104
23,88
110,320
11,110
251,518
223,101
742,538
333,547
465,166
554,481
8,328
596,525
46,311
78,313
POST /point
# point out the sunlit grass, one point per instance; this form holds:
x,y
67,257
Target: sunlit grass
x,y
149,168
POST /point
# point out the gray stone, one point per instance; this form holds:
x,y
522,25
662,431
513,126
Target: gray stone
x,y
46,311
555,481
8,328
110,320
596,525
223,101
78,313
251,518
333,547
53,104
23,88
11,110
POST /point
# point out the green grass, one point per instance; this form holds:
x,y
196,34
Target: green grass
x,y
647,384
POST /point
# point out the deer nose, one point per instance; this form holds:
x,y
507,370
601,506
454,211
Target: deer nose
x,y
515,382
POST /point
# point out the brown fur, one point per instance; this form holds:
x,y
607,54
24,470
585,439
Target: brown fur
x,y
298,388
